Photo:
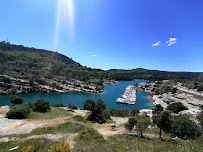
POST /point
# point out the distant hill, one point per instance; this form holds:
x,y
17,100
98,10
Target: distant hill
x,y
155,74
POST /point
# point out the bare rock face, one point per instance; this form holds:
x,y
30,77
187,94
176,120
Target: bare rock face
x,y
146,112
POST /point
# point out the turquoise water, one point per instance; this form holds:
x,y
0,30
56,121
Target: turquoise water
x,y
109,96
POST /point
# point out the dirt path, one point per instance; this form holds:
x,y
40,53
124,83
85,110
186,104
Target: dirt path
x,y
106,129
189,91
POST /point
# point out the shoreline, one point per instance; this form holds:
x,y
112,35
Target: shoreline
x,y
66,91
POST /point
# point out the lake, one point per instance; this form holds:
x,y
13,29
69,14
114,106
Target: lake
x,y
109,96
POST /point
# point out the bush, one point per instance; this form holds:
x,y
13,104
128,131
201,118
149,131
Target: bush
x,y
79,118
130,124
184,128
59,105
41,106
72,106
98,111
122,112
28,105
28,148
90,134
200,88
134,111
20,112
176,107
60,147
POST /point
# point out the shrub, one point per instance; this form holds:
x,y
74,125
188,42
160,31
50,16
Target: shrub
x,y
18,112
200,88
90,134
79,118
130,124
89,104
59,105
28,148
41,106
98,112
184,128
28,105
122,112
176,107
134,111
60,147
72,106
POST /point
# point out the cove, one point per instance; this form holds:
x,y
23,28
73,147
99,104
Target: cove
x,y
109,96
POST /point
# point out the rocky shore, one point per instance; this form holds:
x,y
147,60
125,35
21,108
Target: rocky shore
x,y
188,99
11,85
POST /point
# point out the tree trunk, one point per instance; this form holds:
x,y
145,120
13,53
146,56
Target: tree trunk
x,y
160,133
141,135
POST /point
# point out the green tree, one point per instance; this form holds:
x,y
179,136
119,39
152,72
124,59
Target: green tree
x,y
134,111
99,107
184,128
16,100
162,120
89,104
158,108
142,124
98,110
130,124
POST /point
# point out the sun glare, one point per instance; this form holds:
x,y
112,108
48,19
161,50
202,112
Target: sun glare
x,y
65,17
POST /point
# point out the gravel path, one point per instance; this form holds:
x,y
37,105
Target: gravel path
x,y
189,91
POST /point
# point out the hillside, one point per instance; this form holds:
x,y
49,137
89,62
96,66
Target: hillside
x,y
36,69
29,70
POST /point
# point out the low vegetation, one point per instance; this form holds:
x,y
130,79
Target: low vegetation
x,y
41,106
88,139
60,147
67,127
53,113
90,134
176,107
72,106
20,112
123,112
59,105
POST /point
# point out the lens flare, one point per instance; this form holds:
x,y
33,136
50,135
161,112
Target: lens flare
x,y
65,17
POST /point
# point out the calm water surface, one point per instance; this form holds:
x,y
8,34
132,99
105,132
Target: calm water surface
x,y
109,96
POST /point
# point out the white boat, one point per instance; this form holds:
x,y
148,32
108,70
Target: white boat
x,y
129,96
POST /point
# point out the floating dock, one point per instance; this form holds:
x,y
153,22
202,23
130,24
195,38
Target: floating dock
x,y
129,96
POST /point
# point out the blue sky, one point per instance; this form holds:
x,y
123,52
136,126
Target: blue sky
x,y
106,34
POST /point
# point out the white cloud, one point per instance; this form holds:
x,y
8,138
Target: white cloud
x,y
157,43
94,55
171,41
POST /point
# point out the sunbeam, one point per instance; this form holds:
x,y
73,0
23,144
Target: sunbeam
x,y
65,16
